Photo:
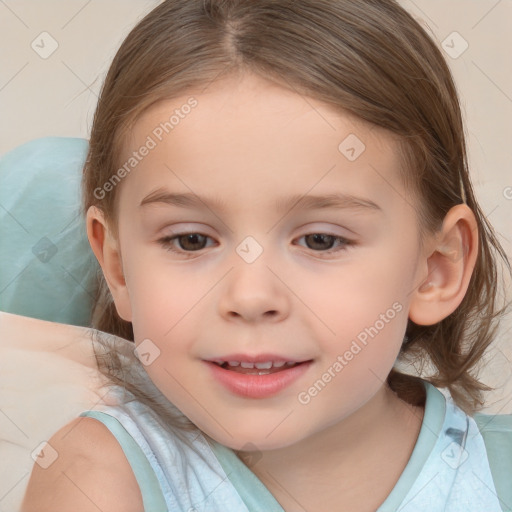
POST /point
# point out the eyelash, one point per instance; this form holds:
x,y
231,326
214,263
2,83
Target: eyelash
x,y
166,242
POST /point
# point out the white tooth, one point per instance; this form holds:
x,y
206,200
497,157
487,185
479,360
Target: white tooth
x,y
263,366
278,365
233,363
218,361
290,363
247,365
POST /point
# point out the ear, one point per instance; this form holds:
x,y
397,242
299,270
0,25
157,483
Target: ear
x,y
450,261
107,252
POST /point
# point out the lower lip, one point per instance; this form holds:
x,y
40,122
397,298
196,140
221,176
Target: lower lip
x,y
257,386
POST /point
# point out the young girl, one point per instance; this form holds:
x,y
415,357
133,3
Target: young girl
x,y
277,193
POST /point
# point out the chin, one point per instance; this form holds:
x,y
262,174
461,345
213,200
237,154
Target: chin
x,y
255,437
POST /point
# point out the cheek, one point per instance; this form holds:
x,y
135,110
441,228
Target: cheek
x,y
160,295
164,304
351,298
359,315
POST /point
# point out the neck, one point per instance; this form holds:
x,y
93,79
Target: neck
x,y
358,459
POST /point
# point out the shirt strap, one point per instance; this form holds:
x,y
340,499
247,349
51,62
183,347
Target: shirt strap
x,y
152,496
249,487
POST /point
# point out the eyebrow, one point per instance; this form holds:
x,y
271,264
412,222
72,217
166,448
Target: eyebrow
x,y
306,202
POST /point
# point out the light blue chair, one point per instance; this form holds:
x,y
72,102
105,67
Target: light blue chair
x,y
47,268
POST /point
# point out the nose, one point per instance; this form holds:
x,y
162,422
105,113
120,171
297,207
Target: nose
x,y
254,292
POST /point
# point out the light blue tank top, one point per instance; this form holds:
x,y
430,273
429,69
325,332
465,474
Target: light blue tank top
x,y
448,470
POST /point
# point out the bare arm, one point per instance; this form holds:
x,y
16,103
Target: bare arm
x,y
90,474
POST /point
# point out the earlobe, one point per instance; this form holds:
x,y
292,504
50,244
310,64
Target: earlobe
x,y
450,262
107,252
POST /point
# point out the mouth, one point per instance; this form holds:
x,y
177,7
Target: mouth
x,y
262,368
261,377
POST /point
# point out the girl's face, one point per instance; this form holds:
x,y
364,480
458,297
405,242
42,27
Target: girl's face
x,y
268,273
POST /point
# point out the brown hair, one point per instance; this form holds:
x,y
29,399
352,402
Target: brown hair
x,y
369,58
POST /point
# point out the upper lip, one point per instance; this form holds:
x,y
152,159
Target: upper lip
x,y
258,358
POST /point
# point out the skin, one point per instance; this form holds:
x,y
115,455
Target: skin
x,y
250,143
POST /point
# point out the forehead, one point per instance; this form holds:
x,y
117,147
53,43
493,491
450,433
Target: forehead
x,y
254,137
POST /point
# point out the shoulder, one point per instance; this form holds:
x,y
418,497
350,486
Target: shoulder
x,y
90,473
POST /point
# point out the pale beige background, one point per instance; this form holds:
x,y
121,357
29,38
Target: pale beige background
x,y
57,95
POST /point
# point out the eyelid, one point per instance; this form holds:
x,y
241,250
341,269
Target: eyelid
x,y
319,227
310,227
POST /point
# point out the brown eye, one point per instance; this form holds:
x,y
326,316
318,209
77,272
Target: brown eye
x,y
187,243
324,243
320,241
191,241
